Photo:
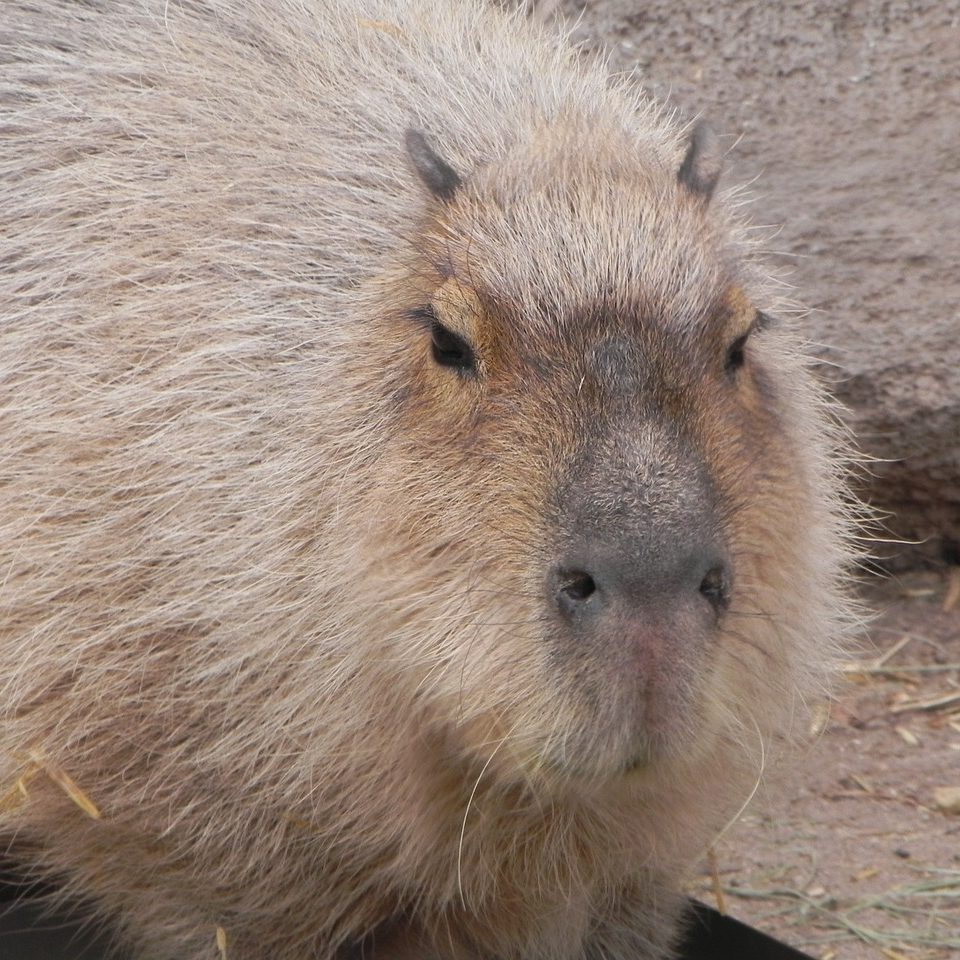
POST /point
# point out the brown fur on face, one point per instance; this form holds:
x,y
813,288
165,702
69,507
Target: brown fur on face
x,y
315,429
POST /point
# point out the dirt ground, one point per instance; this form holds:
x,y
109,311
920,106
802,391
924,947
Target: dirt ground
x,y
844,115
846,854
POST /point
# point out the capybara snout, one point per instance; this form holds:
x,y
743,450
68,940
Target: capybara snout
x,y
598,583
640,530
645,576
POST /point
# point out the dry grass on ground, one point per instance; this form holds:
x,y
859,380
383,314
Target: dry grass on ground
x,y
854,853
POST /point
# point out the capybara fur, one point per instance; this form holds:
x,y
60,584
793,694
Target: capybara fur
x,y
417,516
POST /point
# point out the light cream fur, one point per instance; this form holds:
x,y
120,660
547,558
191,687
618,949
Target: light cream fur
x,y
271,582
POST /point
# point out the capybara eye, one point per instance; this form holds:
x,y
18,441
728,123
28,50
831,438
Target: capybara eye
x,y
736,355
451,350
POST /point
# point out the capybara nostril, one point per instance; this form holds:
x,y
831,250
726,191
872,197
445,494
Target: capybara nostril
x,y
575,589
715,586
641,580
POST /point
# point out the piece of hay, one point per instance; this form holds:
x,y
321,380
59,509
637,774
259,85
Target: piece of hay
x,y
67,784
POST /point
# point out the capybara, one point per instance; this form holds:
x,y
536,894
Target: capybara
x,y
418,519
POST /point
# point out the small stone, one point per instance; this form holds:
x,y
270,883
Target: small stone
x,y
902,854
947,799
907,736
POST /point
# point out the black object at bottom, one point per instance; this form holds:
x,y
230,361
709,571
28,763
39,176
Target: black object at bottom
x,y
714,936
27,932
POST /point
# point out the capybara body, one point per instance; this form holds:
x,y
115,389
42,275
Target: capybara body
x,y
417,519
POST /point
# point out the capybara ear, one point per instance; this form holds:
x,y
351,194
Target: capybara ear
x,y
440,178
702,166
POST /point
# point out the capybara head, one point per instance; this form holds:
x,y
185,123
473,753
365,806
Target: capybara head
x,y
606,475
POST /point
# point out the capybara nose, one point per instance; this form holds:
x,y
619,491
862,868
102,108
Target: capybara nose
x,y
596,581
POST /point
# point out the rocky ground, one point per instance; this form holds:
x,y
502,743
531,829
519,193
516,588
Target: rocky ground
x,y
844,118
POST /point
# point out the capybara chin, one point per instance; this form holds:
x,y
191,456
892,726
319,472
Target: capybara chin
x,y
418,516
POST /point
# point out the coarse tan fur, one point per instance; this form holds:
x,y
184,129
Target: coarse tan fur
x,y
281,671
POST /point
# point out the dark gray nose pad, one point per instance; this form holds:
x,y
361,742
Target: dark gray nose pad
x,y
596,581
